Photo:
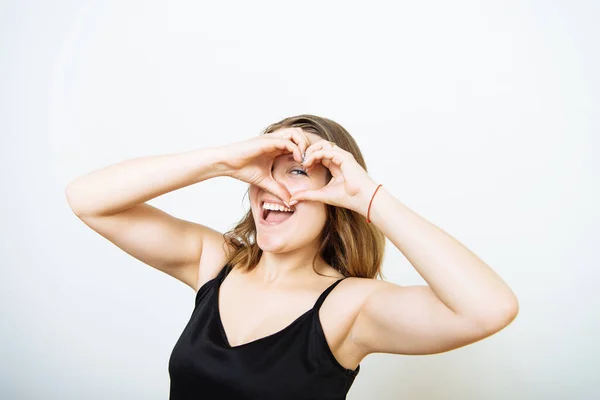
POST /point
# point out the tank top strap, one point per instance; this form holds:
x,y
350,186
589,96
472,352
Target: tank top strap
x,y
323,295
224,272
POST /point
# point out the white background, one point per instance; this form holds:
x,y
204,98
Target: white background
x,y
480,116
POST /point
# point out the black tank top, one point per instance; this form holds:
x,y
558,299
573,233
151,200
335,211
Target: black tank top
x,y
292,364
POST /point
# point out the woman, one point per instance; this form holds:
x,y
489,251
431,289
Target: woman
x,y
267,323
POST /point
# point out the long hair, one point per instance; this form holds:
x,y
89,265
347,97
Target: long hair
x,y
347,242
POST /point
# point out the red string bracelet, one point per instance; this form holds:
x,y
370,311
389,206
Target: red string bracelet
x,y
371,202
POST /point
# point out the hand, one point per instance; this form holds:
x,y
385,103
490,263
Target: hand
x,y
350,186
251,160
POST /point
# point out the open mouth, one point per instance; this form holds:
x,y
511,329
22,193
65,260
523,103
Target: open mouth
x,y
273,217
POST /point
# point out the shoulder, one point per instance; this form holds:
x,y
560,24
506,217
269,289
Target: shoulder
x,y
339,313
353,295
355,290
365,286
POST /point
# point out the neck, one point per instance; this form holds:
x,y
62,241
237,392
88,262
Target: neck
x,y
285,267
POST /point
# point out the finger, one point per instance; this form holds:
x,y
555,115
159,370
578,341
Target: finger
x,y
325,154
287,145
332,160
303,140
320,145
295,135
310,195
299,137
277,189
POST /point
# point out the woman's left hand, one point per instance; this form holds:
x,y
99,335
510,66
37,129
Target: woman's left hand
x,y
350,186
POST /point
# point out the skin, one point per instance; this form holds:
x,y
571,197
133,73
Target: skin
x,y
285,274
464,300
289,248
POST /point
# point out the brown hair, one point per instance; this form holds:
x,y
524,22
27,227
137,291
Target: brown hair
x,y
348,243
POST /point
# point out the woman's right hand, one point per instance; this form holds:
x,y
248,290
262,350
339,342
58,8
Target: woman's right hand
x,y
251,160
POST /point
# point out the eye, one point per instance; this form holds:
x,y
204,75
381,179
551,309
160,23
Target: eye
x,y
302,172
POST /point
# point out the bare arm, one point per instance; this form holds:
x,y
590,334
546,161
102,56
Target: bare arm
x,y
118,187
111,201
465,299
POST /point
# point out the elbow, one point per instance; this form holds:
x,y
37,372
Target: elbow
x,y
69,198
72,200
502,314
509,309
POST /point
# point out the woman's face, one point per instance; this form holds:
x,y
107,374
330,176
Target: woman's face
x,y
307,221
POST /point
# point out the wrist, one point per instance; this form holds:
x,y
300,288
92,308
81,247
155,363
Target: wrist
x,y
219,160
209,162
365,196
371,203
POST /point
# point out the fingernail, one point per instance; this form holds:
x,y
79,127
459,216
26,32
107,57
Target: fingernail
x,y
293,202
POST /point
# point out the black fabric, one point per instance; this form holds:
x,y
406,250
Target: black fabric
x,y
295,363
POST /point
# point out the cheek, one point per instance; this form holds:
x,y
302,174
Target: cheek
x,y
297,185
317,212
316,183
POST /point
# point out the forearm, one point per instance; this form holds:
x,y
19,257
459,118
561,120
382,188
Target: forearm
x,y
463,282
121,186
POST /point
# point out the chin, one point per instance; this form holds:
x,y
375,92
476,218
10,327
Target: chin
x,y
272,241
272,246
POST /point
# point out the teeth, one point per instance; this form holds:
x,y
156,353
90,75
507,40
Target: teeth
x,y
276,207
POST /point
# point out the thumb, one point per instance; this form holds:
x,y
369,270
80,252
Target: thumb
x,y
278,190
310,195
